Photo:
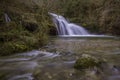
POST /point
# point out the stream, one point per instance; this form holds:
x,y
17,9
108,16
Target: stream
x,y
55,61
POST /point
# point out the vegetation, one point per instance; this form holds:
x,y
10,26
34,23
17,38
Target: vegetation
x,y
30,24
24,32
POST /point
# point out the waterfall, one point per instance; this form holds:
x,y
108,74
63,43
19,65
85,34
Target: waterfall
x,y
7,19
66,28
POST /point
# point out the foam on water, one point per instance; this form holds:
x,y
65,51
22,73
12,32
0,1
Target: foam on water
x,y
29,55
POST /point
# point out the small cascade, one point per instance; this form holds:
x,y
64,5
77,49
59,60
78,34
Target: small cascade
x,y
7,18
66,28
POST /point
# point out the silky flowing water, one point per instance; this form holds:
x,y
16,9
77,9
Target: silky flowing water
x,y
55,61
64,27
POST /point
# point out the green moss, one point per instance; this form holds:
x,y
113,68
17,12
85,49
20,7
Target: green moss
x,y
86,62
9,32
13,47
42,39
15,37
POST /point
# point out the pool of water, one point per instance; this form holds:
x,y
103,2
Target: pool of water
x,y
55,61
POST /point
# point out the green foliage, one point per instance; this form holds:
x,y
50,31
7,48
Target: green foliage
x,y
109,20
12,47
10,31
15,38
27,30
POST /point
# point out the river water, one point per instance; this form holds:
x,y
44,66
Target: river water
x,y
55,61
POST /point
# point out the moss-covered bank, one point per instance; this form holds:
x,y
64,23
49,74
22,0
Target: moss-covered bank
x,y
14,38
25,31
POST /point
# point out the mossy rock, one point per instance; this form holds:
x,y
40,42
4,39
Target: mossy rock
x,y
86,62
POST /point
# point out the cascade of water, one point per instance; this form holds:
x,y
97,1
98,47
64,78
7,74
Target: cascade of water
x,y
7,19
66,28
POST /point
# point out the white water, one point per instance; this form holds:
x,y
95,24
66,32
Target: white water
x,y
66,28
7,18
29,56
27,76
22,65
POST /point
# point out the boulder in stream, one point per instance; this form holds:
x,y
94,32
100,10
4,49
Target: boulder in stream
x,y
87,61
